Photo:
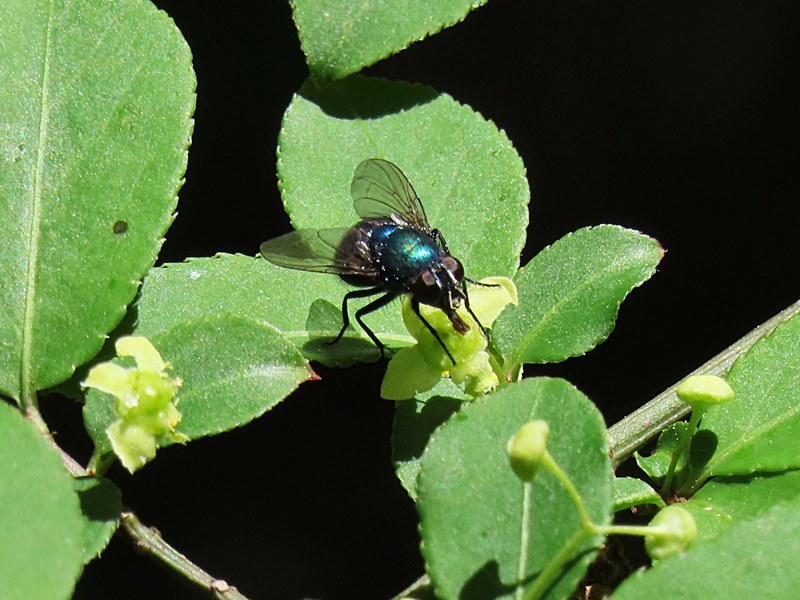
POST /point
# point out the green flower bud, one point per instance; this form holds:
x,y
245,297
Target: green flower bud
x,y
526,448
703,391
672,530
145,402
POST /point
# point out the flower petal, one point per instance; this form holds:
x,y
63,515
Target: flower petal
x,y
132,444
408,374
144,353
109,378
488,302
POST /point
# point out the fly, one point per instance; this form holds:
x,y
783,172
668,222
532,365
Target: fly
x,y
391,251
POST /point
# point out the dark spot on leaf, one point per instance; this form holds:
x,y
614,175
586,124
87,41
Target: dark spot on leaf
x,y
120,227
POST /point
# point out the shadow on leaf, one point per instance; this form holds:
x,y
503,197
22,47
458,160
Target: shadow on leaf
x,y
413,428
358,97
704,444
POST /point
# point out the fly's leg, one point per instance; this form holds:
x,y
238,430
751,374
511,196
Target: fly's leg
x,y
345,315
478,283
469,308
372,307
415,308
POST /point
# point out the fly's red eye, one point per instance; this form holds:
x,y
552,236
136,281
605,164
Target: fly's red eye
x,y
454,266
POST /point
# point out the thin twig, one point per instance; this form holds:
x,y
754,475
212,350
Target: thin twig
x,y
419,590
646,422
149,541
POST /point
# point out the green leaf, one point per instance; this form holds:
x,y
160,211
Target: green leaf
x,y
341,37
101,505
570,293
657,464
758,430
632,491
759,558
465,170
471,503
724,501
233,369
701,448
414,423
40,523
96,99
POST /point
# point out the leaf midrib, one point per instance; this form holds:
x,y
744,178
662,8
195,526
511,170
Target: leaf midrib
x,y
30,277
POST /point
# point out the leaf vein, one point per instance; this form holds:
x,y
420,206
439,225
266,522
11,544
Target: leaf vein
x,y
36,217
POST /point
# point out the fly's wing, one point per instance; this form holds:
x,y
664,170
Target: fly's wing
x,y
380,190
339,251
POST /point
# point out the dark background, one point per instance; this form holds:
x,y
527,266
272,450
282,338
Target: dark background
x,y
679,120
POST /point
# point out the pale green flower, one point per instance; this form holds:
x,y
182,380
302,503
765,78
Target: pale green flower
x,y
145,401
419,367
704,391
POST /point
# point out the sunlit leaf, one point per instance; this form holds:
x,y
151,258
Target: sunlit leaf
x,y
340,37
758,558
631,491
471,503
724,501
96,99
570,293
758,430
466,172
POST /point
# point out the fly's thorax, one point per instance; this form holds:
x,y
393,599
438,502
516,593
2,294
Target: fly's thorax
x,y
402,253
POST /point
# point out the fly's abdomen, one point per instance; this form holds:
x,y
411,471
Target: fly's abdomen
x,y
402,253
